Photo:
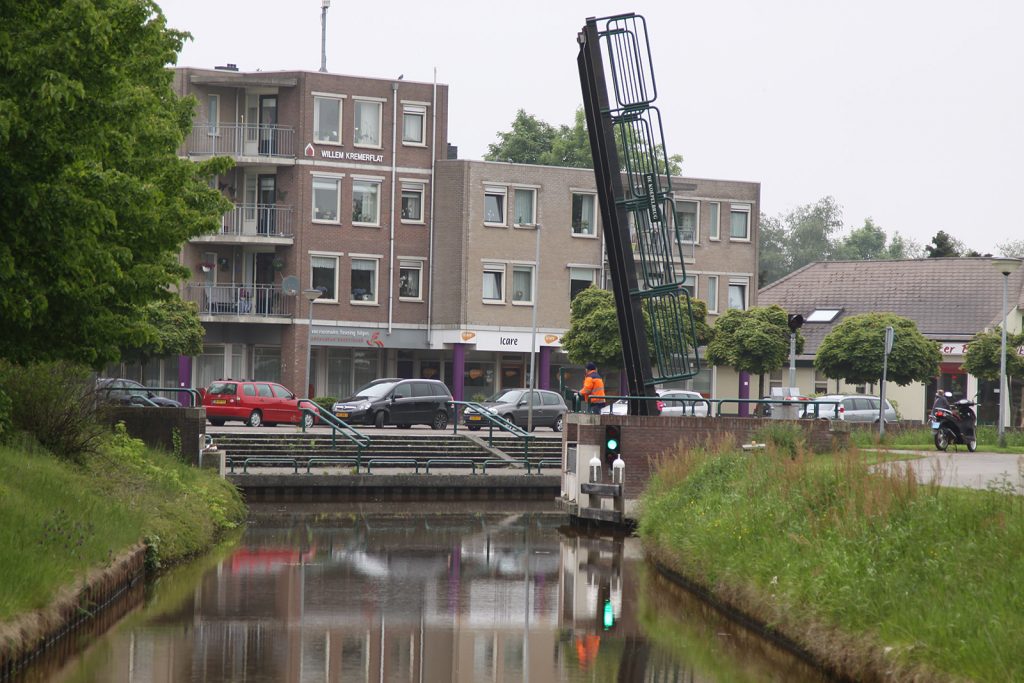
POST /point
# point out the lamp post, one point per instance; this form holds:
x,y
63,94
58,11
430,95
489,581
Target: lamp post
x,y
533,339
324,4
1004,266
311,296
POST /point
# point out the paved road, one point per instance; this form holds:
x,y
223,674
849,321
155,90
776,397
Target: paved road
x,y
969,470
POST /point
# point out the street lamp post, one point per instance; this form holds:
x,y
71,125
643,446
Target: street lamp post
x,y
324,4
1004,266
311,296
533,339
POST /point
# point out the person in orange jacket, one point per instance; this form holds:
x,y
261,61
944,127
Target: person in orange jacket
x,y
593,389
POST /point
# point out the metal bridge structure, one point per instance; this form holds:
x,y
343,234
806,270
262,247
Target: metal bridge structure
x,y
637,210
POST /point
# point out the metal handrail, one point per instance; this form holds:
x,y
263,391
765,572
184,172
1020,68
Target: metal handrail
x,y
546,462
493,421
267,220
252,300
390,461
773,401
451,461
362,441
240,139
326,460
195,398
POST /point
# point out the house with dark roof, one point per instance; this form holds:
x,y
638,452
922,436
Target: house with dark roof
x,y
949,299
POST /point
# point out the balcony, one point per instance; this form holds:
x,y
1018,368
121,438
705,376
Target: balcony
x,y
254,224
245,142
240,302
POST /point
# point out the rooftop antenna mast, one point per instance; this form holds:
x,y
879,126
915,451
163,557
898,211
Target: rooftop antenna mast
x,y
324,4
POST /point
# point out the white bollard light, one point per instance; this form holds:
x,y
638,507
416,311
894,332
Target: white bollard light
x,y
595,470
618,471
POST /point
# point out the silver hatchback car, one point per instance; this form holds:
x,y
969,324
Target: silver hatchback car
x,y
852,408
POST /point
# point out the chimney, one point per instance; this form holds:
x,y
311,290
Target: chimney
x,y
227,67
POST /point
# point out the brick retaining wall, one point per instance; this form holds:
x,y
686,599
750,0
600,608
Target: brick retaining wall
x,y
156,426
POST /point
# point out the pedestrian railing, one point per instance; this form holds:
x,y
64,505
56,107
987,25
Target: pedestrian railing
x,y
492,421
195,399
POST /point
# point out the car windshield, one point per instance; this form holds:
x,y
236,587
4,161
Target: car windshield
x,y
506,396
376,390
222,389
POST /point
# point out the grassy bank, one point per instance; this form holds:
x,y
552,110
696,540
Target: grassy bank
x,y
58,519
873,572
921,438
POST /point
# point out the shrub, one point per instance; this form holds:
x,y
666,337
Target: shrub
x,y
5,416
326,403
786,438
55,403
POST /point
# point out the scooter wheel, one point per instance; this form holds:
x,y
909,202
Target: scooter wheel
x,y
941,439
972,444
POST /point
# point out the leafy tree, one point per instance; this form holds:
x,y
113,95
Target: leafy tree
x,y
1011,248
593,333
532,141
982,358
95,203
773,247
944,244
866,242
855,348
178,328
810,229
755,340
901,247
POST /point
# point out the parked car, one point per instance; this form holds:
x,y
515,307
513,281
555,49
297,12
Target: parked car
x,y
395,401
514,405
255,403
131,393
672,402
852,408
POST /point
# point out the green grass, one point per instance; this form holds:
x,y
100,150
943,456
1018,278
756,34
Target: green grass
x,y
59,520
921,439
932,574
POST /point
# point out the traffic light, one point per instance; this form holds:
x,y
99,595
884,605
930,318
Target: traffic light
x,y
796,321
612,443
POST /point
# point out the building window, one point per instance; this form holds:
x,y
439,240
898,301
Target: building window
x,y
690,285
712,301
414,124
820,382
823,315
324,276
327,119
774,380
412,203
580,279
522,284
739,222
367,123
364,280
326,198
410,280
365,204
494,283
687,219
213,114
524,200
714,210
583,214
494,205
738,295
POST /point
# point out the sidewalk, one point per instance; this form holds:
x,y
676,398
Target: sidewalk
x,y
966,470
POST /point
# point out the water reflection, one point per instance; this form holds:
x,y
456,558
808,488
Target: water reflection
x,y
422,593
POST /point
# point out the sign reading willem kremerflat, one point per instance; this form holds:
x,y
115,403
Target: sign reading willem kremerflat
x,y
341,155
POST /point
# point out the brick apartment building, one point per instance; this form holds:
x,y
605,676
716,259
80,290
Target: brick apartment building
x,y
424,265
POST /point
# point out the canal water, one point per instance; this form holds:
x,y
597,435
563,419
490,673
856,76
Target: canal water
x,y
502,591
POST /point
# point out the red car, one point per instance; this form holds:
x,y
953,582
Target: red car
x,y
255,403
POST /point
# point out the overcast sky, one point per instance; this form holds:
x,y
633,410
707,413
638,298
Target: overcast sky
x,y
909,112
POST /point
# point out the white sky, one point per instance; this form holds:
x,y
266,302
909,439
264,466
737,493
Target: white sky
x,y
907,111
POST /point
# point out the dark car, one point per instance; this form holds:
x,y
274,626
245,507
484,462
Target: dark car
x,y
395,401
255,403
511,404
131,393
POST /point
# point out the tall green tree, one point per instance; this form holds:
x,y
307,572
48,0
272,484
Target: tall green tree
x,y
866,242
755,340
944,244
1011,248
811,229
179,332
982,357
773,250
95,201
855,348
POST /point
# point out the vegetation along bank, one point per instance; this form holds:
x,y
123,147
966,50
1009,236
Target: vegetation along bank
x,y
877,576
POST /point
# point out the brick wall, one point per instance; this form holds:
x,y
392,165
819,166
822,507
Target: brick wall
x,y
646,438
156,426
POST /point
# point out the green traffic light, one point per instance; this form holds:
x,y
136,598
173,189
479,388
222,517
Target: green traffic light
x,y
609,615
612,444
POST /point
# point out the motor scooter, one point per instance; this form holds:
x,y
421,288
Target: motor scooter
x,y
955,425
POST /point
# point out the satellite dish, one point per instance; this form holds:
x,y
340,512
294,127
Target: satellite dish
x,y
290,285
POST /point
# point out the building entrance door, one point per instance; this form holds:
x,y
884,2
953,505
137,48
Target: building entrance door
x,y
511,373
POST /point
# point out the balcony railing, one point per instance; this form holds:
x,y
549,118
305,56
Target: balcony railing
x,y
239,300
261,220
241,140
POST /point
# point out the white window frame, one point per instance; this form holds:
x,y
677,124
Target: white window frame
x,y
419,188
533,207
415,109
336,257
690,285
317,96
594,270
411,263
494,267
326,177
496,191
714,221
737,282
696,224
712,301
532,268
375,259
356,103
213,115
370,180
593,227
735,209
